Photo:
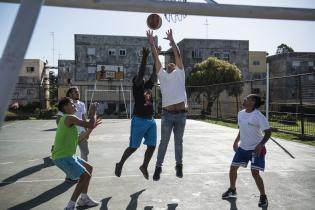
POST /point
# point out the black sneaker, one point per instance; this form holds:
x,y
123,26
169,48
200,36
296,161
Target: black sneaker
x,y
157,173
179,170
230,193
263,201
118,169
71,181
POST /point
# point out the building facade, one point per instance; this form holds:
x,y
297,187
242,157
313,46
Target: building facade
x,y
107,64
33,84
196,50
287,89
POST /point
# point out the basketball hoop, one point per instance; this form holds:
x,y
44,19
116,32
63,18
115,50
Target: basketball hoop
x,y
175,17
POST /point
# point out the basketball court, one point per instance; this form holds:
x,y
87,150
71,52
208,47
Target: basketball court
x,y
29,180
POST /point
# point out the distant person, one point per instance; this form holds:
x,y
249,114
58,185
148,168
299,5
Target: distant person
x,y
249,145
174,104
143,125
64,150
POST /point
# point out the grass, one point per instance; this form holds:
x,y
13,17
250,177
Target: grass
x,y
289,137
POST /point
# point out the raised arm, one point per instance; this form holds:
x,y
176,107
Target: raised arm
x,y
141,72
154,51
178,58
153,76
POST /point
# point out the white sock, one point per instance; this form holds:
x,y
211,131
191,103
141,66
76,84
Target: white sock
x,y
71,203
84,196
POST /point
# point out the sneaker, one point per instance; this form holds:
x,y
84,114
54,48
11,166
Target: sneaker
x,y
70,208
71,181
230,193
88,202
118,169
179,170
263,201
145,172
157,173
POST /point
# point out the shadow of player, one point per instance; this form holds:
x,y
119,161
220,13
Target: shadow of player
x,y
28,171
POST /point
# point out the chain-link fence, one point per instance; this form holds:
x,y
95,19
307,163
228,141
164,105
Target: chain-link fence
x,y
291,101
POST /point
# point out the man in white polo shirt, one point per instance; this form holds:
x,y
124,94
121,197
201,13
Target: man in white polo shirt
x,y
174,104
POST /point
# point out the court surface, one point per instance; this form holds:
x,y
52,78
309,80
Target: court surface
x,y
29,180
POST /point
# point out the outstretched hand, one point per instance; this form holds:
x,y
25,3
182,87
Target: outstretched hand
x,y
145,52
169,35
159,49
150,36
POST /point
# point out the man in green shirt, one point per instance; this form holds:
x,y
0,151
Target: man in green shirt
x,y
64,150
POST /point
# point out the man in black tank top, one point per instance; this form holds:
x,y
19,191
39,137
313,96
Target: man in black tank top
x,y
143,124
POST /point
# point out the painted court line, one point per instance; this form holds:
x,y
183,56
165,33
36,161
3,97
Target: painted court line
x,y
6,163
138,175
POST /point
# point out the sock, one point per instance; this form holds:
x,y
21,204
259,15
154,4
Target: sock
x,y
71,203
84,196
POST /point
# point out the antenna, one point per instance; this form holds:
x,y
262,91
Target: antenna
x,y
53,47
206,24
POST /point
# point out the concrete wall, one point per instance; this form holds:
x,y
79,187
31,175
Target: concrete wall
x,y
196,50
287,89
94,50
32,68
66,70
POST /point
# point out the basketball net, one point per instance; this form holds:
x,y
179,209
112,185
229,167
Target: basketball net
x,y
175,17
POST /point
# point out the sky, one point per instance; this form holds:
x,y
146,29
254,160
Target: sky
x,y
263,35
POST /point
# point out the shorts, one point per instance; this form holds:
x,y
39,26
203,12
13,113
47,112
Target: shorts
x,y
242,157
72,166
142,128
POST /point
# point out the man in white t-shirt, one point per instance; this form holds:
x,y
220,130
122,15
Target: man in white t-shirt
x,y
74,94
249,145
174,104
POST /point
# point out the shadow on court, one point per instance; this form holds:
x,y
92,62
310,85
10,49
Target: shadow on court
x,y
28,171
134,200
51,129
44,197
232,202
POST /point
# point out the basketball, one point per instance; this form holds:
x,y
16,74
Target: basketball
x,y
154,21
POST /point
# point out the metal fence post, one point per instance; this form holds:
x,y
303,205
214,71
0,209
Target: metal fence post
x,y
301,106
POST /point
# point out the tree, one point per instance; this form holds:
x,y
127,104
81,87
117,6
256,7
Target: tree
x,y
205,75
53,86
283,48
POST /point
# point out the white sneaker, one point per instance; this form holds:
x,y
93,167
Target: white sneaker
x,y
87,202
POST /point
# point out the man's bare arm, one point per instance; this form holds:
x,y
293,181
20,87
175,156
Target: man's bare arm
x,y
178,58
154,52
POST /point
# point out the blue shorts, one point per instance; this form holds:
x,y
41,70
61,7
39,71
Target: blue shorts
x,y
242,157
72,166
142,128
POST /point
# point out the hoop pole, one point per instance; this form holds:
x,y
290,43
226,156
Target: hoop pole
x,y
267,93
122,90
92,95
13,54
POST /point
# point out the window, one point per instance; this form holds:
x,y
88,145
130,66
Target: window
x,y
122,52
256,63
91,69
256,90
196,54
91,51
30,92
112,52
140,53
217,55
30,69
295,63
226,56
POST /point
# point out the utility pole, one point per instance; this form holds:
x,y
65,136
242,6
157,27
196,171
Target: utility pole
x,y
53,47
206,24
